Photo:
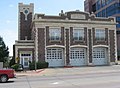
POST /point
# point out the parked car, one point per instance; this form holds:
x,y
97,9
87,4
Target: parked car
x,y
20,68
6,74
17,67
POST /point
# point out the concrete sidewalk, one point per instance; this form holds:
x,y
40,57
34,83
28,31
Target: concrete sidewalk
x,y
70,71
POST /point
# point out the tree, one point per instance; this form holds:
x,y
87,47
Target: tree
x,y
4,53
12,61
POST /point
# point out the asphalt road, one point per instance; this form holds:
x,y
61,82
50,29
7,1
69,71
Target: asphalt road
x,y
88,80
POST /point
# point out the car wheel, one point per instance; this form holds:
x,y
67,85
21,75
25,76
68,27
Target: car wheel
x,y
3,78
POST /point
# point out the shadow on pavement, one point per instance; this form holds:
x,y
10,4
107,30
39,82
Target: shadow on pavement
x,y
8,82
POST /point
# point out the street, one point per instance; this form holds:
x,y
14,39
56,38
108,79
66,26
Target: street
x,y
106,79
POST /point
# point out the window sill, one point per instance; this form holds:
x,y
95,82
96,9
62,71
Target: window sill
x,y
58,41
79,41
97,41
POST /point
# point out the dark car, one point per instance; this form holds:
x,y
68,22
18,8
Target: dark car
x,y
20,68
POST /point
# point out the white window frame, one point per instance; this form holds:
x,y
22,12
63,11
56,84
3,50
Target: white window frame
x,y
77,53
78,34
100,34
54,53
55,34
99,54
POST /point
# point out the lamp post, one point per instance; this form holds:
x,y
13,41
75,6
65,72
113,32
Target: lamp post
x,y
35,48
35,65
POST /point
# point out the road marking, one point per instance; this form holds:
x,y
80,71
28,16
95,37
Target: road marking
x,y
55,83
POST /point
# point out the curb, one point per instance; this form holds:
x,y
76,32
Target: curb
x,y
40,71
28,73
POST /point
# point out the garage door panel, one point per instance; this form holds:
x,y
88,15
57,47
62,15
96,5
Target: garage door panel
x,y
55,57
99,56
78,57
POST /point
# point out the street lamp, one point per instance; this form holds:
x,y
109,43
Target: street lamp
x,y
35,31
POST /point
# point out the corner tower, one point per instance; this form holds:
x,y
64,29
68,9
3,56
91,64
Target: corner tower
x,y
25,16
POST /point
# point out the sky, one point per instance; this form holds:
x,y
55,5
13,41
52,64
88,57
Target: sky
x,y
9,15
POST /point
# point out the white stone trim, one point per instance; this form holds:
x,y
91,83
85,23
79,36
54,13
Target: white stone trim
x,y
51,46
74,28
65,46
25,46
78,16
91,45
54,27
108,47
17,47
16,53
100,46
45,44
26,15
76,25
74,21
78,46
115,36
69,45
26,6
36,44
88,46
26,52
96,28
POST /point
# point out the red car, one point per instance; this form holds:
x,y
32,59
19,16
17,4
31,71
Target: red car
x,y
6,74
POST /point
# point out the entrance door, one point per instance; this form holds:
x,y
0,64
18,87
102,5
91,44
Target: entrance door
x,y
24,59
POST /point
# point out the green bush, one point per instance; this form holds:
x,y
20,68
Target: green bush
x,y
32,65
12,62
15,67
6,65
41,65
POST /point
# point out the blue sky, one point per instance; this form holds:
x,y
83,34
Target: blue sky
x,y
9,15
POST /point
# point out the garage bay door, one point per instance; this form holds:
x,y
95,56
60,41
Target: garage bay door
x,y
78,57
100,56
55,57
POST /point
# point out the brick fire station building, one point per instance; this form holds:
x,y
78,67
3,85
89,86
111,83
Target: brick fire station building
x,y
71,38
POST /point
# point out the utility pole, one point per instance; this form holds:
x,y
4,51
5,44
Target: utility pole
x,y
35,48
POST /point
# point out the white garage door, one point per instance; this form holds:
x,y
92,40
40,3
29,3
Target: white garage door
x,y
55,57
78,57
99,56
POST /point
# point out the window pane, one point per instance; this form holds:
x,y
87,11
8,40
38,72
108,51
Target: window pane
x,y
78,34
55,34
100,34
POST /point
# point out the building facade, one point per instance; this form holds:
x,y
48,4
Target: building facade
x,y
72,38
89,5
23,49
106,8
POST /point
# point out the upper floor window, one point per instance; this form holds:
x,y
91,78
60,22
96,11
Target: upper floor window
x,y
78,34
100,34
55,34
